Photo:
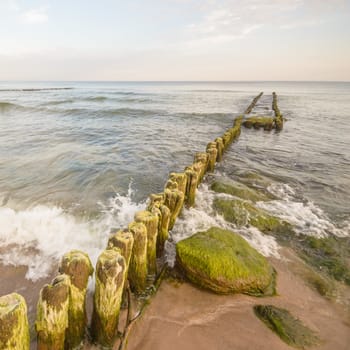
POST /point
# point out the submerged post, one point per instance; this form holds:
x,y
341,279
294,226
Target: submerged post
x,y
110,278
52,314
150,220
14,330
138,261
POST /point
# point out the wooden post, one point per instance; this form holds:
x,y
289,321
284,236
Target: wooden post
x,y
78,267
220,148
124,240
200,164
52,314
110,278
174,200
181,180
191,186
212,155
14,330
138,262
151,222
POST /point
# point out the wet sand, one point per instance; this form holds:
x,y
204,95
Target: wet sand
x,y
184,317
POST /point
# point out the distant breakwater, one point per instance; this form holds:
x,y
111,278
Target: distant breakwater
x,y
132,263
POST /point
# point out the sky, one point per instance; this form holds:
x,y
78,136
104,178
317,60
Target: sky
x,y
165,40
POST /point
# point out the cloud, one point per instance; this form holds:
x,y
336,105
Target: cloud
x,y
38,15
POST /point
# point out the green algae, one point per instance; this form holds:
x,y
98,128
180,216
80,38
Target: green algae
x,y
14,329
290,329
222,261
330,255
239,190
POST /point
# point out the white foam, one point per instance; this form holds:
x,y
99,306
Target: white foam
x,y
38,237
306,218
202,217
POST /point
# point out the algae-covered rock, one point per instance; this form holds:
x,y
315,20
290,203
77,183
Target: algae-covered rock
x,y
224,262
329,255
14,330
239,190
243,213
290,329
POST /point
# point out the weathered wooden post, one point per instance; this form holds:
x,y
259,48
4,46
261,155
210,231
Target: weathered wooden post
x,y
150,220
78,267
174,200
158,207
212,155
220,148
191,186
14,330
110,278
52,314
124,240
181,180
138,261
200,164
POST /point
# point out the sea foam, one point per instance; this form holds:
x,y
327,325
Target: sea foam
x,y
37,237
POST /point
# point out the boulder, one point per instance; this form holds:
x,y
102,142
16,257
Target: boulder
x,y
223,262
237,189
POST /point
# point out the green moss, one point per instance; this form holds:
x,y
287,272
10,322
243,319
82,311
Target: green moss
x,y
224,262
329,255
243,213
290,329
239,190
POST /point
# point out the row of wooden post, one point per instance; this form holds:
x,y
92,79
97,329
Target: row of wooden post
x,y
131,254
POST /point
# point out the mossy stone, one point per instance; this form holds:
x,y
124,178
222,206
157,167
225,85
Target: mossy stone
x,y
239,190
243,213
222,261
290,329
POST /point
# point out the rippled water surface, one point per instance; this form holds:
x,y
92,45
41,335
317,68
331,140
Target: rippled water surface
x,y
77,159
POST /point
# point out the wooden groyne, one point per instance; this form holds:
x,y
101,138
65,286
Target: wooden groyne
x,y
131,267
264,122
253,103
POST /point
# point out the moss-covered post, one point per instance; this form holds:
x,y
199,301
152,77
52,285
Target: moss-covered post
x,y
181,180
78,267
124,240
212,155
52,314
191,186
200,164
174,200
278,115
253,103
14,330
220,147
138,262
150,220
163,213
110,279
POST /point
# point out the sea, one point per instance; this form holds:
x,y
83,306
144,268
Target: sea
x,y
78,159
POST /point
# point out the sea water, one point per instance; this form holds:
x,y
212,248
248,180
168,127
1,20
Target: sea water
x,y
78,159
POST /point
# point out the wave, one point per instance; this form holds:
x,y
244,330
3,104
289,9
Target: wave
x,y
6,106
37,237
36,89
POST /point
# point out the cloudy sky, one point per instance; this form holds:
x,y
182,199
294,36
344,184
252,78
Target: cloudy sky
x,y
175,40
